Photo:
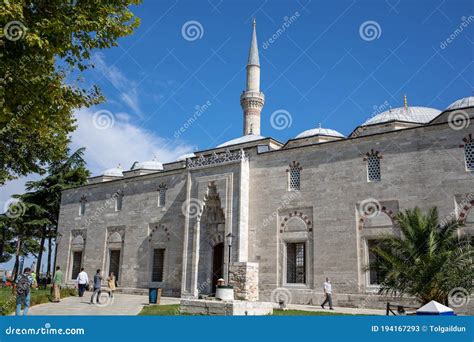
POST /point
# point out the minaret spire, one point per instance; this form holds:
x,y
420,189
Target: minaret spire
x,y
252,100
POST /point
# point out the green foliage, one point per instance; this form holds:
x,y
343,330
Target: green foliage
x,y
38,296
427,261
43,49
37,212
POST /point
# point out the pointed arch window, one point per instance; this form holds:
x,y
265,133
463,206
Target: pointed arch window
x,y
118,200
294,176
373,166
82,206
162,195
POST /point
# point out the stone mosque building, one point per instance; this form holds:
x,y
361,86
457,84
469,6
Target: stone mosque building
x,y
272,216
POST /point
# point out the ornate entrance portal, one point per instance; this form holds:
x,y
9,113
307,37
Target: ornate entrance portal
x,y
211,254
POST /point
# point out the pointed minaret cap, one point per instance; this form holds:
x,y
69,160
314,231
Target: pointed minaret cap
x,y
253,53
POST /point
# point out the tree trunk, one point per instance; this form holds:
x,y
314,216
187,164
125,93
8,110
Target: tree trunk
x,y
50,255
17,260
40,254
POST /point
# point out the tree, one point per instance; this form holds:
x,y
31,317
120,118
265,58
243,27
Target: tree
x,y
427,261
22,222
46,193
45,46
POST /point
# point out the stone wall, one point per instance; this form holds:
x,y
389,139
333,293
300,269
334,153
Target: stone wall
x,y
244,278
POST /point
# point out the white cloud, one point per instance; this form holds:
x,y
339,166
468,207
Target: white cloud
x,y
126,87
122,143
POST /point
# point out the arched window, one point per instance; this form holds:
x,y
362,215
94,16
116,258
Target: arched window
x,y
162,195
373,166
82,207
118,200
469,155
294,176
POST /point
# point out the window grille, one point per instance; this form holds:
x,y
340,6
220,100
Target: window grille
x,y
82,207
158,265
295,263
373,169
161,197
469,155
295,178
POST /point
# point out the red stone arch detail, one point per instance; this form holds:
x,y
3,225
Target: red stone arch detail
x,y
468,138
372,153
294,164
299,214
159,227
464,211
384,210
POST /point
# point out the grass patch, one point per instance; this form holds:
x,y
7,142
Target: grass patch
x,y
160,310
173,310
40,296
307,313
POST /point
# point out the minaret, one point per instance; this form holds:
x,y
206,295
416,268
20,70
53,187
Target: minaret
x,y
252,99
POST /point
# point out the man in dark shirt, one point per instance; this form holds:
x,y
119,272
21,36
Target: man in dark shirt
x,y
97,285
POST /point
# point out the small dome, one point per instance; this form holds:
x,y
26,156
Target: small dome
x,y
462,103
114,172
407,114
319,131
153,164
186,156
241,140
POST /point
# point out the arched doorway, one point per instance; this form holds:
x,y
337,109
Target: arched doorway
x,y
217,264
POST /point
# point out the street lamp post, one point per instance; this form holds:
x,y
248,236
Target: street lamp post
x,y
229,244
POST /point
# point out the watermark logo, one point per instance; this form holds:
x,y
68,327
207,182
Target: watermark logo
x,y
199,110
458,297
104,299
103,119
369,208
458,120
192,208
281,119
192,30
370,30
14,208
465,22
281,296
14,30
287,21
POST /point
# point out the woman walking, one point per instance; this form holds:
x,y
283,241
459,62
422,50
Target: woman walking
x,y
111,283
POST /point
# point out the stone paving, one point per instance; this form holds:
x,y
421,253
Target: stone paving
x,y
341,310
130,304
122,304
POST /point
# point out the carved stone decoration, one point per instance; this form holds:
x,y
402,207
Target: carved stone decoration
x,y
159,227
112,230
216,159
79,232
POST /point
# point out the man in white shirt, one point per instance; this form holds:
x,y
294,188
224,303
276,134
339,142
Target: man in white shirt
x,y
82,281
327,287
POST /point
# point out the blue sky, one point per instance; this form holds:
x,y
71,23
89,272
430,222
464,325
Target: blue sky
x,y
321,69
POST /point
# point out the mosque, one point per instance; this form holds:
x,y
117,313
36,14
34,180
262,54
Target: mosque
x,y
272,217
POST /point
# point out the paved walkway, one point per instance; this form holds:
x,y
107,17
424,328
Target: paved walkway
x,y
127,304
341,310
122,304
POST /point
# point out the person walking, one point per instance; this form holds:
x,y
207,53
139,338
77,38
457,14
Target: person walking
x,y
57,281
82,281
97,285
112,284
327,287
23,294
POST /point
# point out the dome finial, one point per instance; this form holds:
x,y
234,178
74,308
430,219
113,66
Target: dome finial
x,y
405,101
